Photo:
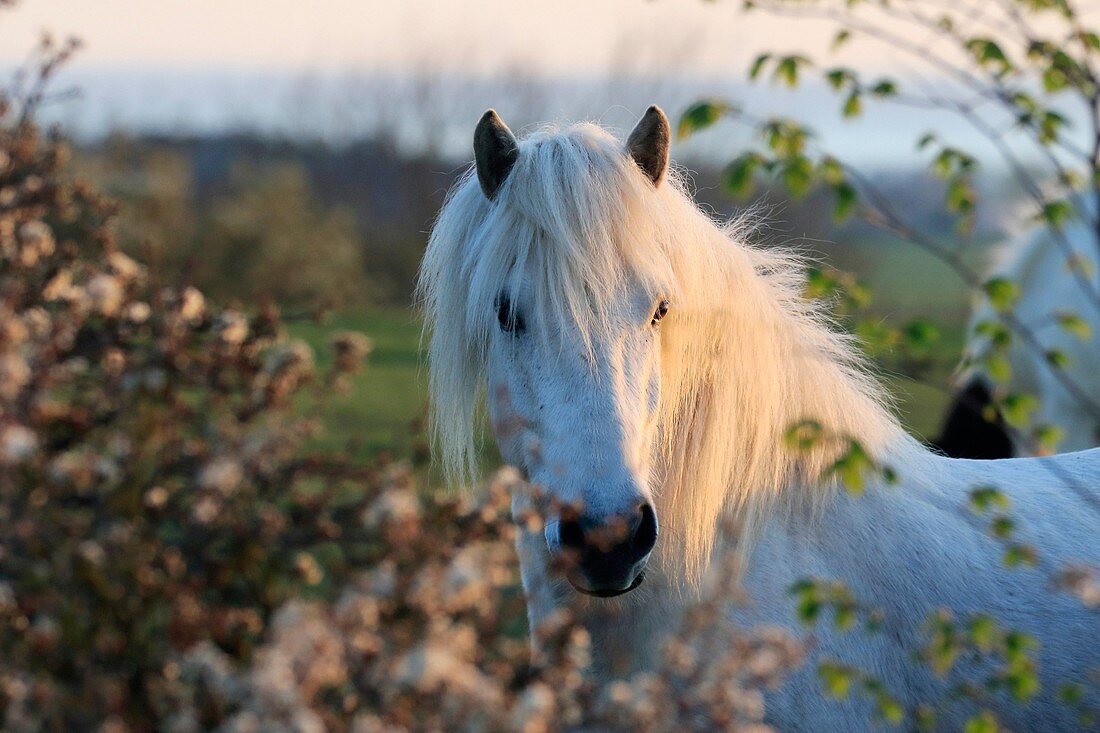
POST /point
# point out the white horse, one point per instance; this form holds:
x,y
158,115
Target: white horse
x,y
641,362
1050,298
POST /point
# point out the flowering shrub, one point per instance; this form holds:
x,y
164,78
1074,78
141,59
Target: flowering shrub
x,y
427,639
153,495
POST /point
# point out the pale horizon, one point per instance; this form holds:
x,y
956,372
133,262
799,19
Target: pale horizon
x,y
567,37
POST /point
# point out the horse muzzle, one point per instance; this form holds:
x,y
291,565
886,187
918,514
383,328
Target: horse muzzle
x,y
609,593
606,557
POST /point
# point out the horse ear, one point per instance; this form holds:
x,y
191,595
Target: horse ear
x,y
495,152
649,142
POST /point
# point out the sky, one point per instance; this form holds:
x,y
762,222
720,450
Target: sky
x,y
208,65
563,36
305,67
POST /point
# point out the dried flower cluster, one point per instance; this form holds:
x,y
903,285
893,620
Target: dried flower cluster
x,y
1084,582
430,637
153,494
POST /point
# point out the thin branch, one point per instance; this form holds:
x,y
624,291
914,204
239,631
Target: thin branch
x,y
883,217
992,88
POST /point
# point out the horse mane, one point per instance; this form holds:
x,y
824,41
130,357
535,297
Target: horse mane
x,y
745,356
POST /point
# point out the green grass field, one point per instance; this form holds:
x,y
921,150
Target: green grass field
x,y
384,409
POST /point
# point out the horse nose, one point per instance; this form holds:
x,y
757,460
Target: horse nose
x,y
610,554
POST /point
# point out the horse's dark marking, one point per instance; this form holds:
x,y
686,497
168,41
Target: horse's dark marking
x,y
967,433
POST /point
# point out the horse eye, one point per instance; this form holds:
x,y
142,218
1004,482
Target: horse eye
x,y
662,309
508,317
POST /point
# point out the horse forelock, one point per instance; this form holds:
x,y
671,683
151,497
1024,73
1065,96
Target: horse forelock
x,y
744,355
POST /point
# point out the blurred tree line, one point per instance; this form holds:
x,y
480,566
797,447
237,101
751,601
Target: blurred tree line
x,y
318,226
243,218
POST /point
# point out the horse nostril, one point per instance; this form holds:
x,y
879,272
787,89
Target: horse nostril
x,y
636,539
645,536
607,554
571,533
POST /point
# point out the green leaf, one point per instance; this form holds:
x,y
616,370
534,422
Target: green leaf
x,y
802,585
845,201
1017,642
852,106
858,294
961,196
841,38
996,332
884,88
983,632
953,162
809,608
984,498
1017,408
921,335
1074,324
839,76
997,367
1016,555
944,646
942,163
836,678
758,65
1026,103
701,115
1049,126
820,283
1047,436
851,467
844,617
739,174
786,69
890,710
1002,293
925,718
1057,358
804,435
925,140
831,170
984,722
1002,527
798,175
1071,693
1022,681
989,54
1054,79
786,138
1055,213
876,336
